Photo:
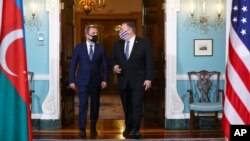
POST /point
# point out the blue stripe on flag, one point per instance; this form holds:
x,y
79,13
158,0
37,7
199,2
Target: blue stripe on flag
x,y
240,20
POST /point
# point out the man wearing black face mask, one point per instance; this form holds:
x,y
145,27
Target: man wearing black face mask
x,y
91,77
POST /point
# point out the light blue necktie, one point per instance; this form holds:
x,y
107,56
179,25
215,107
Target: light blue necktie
x,y
91,52
127,50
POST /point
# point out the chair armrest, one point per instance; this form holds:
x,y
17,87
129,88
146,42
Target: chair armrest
x,y
222,94
190,96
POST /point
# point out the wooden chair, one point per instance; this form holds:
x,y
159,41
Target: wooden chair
x,y
205,96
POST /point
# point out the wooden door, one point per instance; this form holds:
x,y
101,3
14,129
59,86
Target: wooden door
x,y
153,28
108,27
67,43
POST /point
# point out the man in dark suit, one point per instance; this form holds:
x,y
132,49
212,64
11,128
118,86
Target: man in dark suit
x,y
91,77
132,61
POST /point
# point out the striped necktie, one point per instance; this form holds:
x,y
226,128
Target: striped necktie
x,y
127,50
91,52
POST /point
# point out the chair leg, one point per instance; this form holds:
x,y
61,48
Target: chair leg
x,y
216,119
192,120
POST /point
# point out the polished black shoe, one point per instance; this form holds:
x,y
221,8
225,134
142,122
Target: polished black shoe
x,y
82,134
126,132
93,133
136,135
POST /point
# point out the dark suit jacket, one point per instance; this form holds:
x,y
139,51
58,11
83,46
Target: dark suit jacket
x,y
138,68
94,71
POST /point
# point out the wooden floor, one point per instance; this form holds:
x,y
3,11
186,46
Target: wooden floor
x,y
112,129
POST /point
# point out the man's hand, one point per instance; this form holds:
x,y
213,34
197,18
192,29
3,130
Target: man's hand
x,y
117,69
147,84
104,85
72,86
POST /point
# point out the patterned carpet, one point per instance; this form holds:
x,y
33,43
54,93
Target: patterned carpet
x,y
110,107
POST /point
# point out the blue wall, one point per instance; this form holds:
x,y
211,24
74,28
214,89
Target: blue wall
x,y
186,61
37,51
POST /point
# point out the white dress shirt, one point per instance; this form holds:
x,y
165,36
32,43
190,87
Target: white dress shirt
x,y
131,44
88,47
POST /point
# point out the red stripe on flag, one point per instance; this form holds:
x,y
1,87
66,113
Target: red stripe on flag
x,y
15,55
236,108
231,94
236,102
239,66
13,60
226,126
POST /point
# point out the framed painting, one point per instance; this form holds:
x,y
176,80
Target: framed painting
x,y
203,47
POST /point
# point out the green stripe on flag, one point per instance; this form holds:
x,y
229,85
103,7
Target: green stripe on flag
x,y
13,112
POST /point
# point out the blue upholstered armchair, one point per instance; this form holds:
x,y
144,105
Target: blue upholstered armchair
x,y
205,96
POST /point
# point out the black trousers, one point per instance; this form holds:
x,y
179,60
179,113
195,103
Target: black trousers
x,y
84,92
132,101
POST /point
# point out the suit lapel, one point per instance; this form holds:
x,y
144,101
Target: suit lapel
x,y
95,51
135,48
85,50
121,50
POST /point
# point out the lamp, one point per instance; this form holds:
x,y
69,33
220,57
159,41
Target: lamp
x,y
33,7
200,18
33,21
87,5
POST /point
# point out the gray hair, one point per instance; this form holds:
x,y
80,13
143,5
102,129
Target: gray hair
x,y
131,25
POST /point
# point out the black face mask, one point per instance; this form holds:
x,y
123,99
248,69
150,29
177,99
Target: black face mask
x,y
94,38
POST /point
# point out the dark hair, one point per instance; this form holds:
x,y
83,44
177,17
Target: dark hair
x,y
131,25
86,30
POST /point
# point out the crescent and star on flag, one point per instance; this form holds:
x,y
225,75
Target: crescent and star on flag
x,y
5,44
